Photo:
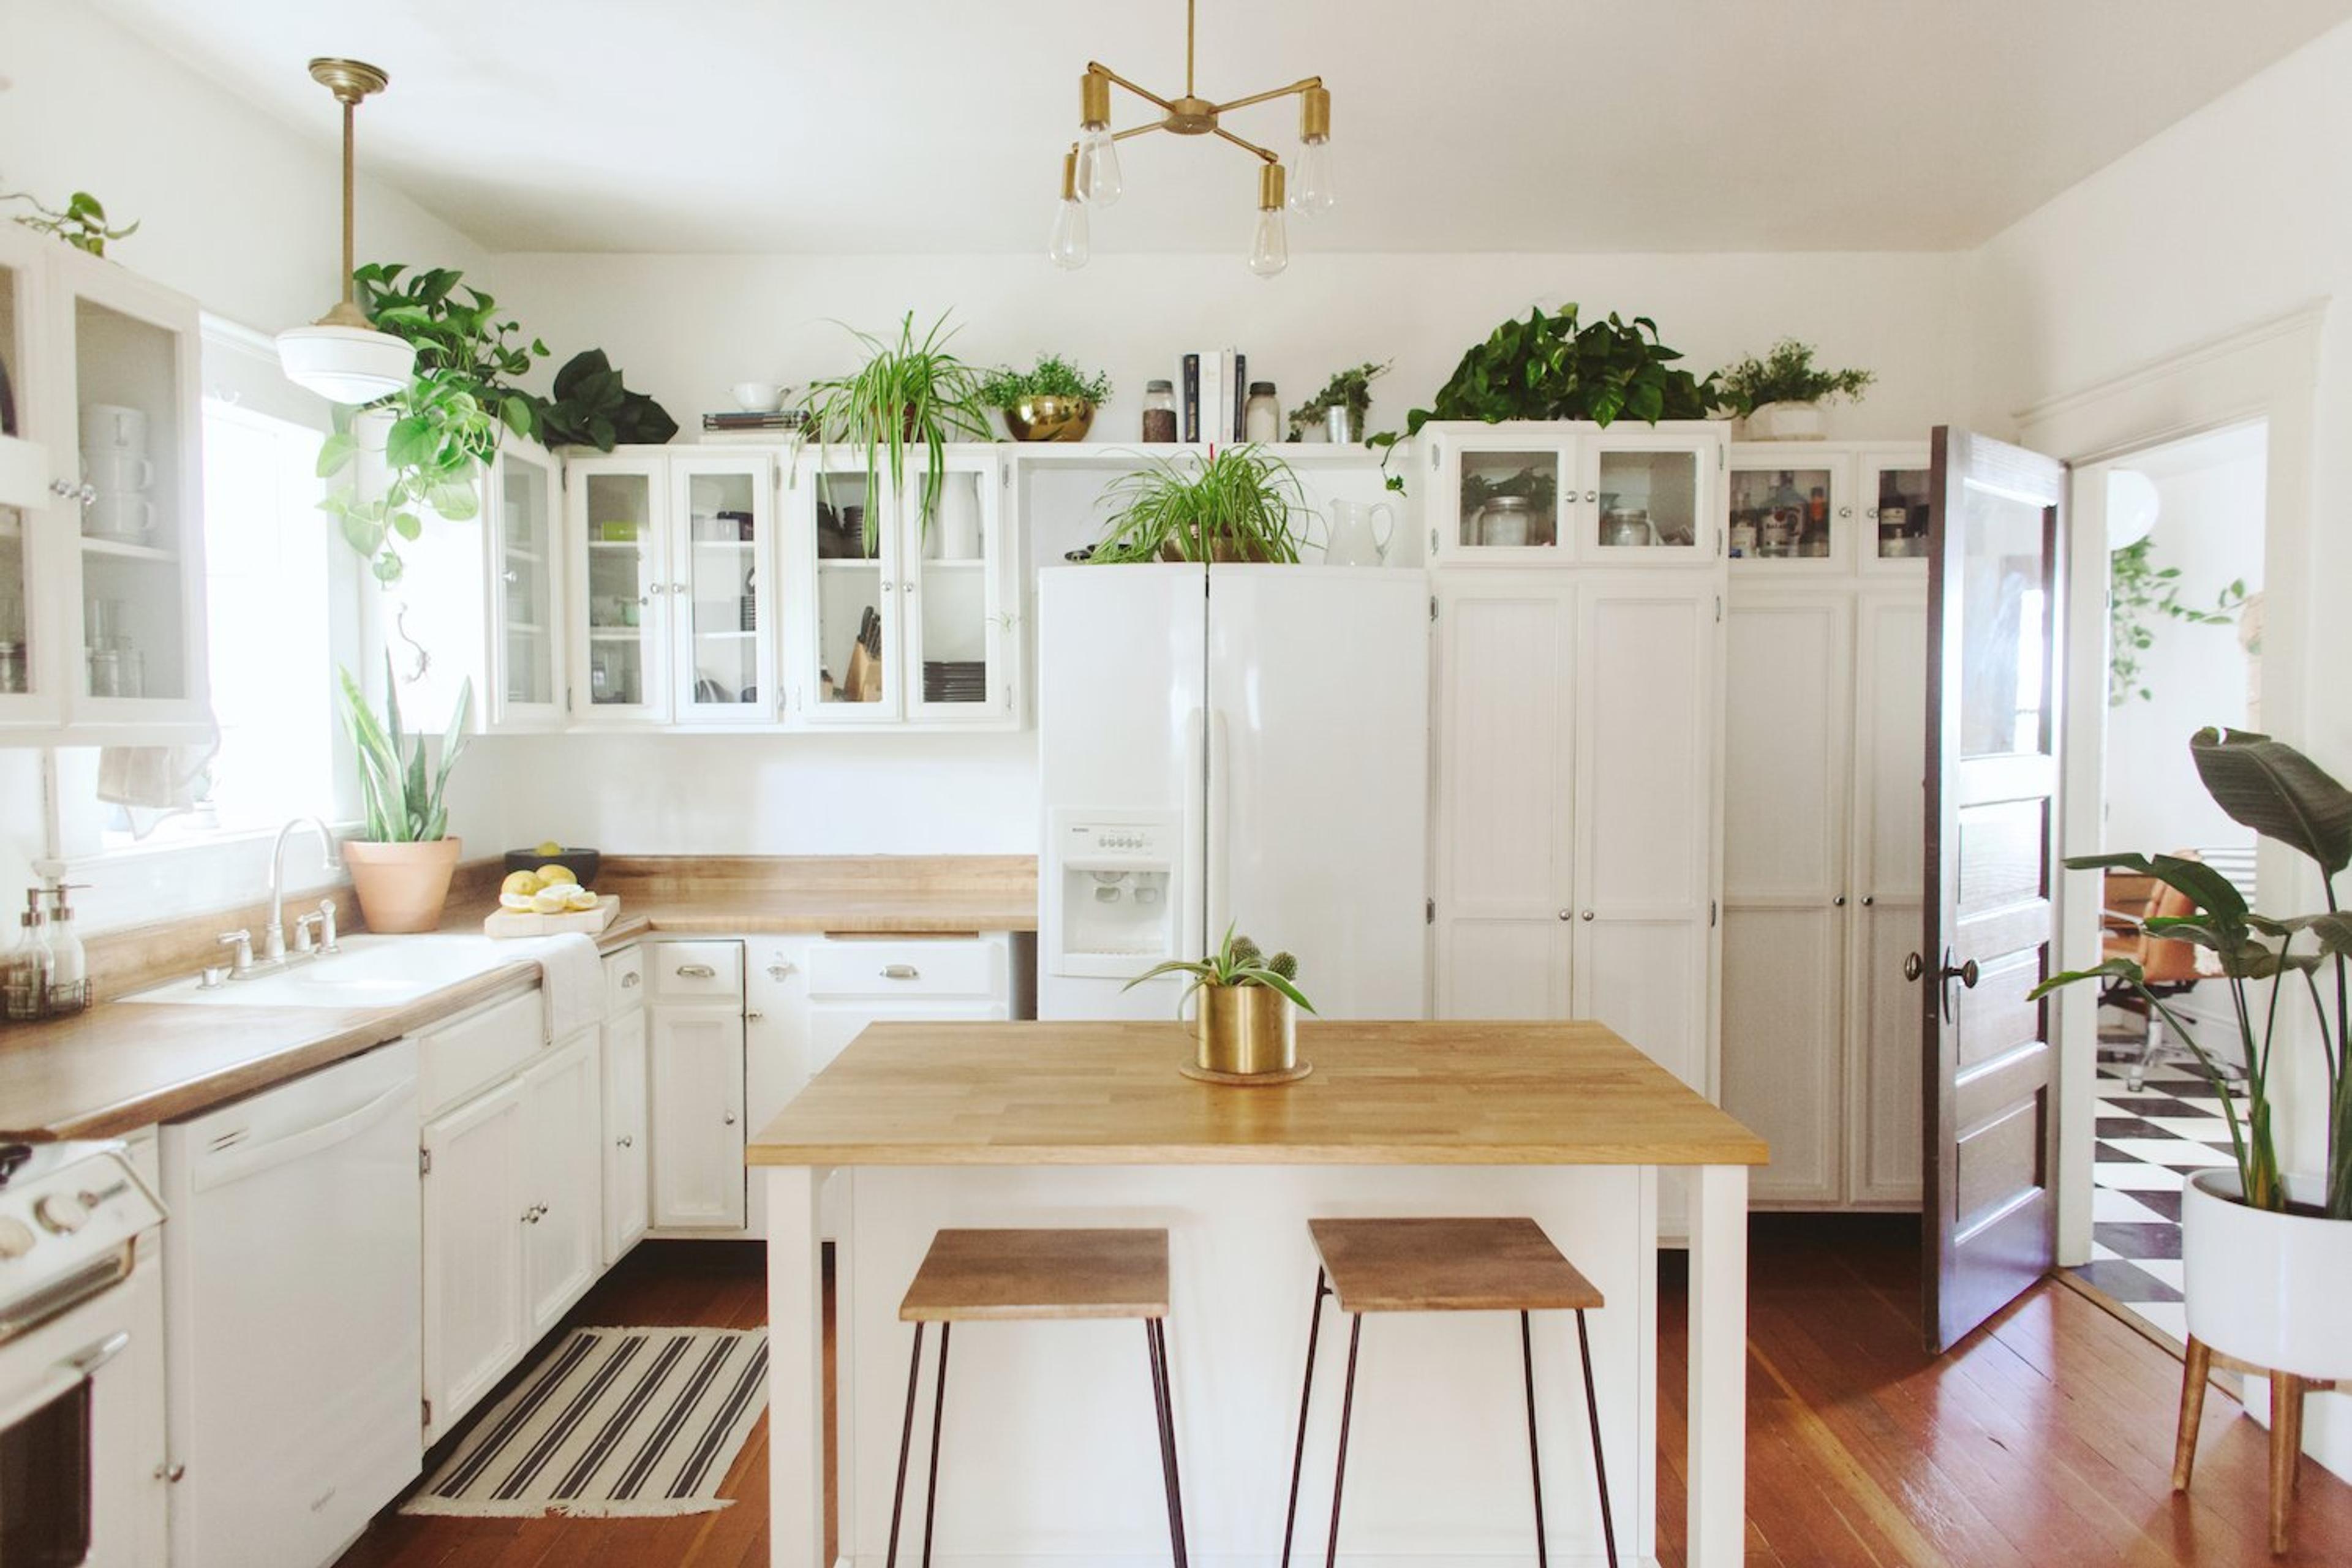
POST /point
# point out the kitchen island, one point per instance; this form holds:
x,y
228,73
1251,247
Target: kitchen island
x,y
1049,1452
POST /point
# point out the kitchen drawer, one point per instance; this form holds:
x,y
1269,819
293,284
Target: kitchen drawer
x,y
455,1059
697,970
625,980
936,968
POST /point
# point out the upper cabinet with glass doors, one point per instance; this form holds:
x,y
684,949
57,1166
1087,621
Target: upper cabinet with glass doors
x,y
1804,508
101,485
906,616
673,608
1535,492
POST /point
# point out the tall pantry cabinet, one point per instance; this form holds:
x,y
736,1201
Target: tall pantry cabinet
x,y
1824,741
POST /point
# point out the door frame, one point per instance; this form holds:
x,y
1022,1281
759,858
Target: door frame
x,y
2266,371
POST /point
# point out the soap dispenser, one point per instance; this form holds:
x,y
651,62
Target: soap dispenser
x,y
24,977
68,960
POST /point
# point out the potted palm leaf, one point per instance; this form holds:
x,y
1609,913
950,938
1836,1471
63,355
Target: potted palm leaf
x,y
402,862
1246,1030
2267,1253
1242,503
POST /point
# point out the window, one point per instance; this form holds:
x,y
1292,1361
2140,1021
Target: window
x,y
270,587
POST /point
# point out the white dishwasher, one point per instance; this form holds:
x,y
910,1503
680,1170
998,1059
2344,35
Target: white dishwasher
x,y
292,1302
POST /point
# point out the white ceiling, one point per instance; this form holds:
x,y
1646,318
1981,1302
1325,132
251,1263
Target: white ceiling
x,y
1524,125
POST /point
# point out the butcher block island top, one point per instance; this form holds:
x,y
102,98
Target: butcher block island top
x,y
1108,1093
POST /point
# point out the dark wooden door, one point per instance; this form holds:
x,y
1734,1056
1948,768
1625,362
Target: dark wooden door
x,y
1995,589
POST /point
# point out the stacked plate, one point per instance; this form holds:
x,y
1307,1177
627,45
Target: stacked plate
x,y
955,681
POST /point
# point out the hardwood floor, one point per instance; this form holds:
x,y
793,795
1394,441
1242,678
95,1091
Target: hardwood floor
x,y
2044,1440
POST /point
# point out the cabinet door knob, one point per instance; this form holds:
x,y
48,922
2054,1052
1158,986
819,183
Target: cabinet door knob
x,y
510,577
630,981
754,1017
1587,914
1868,900
171,1472
1845,511
1593,495
625,1141
1838,903
1567,914
729,1119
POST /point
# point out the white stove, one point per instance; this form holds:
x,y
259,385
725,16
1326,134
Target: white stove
x,y
81,1389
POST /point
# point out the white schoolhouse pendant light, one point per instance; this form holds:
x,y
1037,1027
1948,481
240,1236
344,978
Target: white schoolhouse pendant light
x,y
341,356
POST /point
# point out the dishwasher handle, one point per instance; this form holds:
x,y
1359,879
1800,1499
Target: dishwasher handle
x,y
236,1163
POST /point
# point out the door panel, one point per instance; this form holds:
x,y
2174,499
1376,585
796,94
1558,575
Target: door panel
x,y
474,1202
1647,981
1994,592
626,1186
1780,991
1890,765
563,1242
1887,1088
1503,969
698,1113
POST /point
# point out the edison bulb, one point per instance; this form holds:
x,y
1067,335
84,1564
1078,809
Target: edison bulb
x,y
1311,191
1069,247
1270,246
1098,176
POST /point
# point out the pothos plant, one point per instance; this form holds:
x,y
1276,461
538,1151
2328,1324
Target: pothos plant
x,y
2138,592
82,223
1553,367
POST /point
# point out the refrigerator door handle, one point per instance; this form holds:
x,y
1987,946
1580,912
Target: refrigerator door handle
x,y
1217,884
1191,874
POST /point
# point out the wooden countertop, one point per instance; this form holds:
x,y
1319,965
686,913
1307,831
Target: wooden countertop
x,y
1381,1093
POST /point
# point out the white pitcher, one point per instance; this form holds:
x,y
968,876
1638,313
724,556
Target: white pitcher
x,y
1353,541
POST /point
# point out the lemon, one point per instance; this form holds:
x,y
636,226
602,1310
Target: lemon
x,y
520,902
581,898
550,902
550,875
523,882
549,846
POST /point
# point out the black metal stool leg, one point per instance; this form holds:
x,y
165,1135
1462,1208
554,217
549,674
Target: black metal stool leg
x,y
1592,1416
939,1408
906,1441
1155,1337
1347,1410
1534,1456
1306,1392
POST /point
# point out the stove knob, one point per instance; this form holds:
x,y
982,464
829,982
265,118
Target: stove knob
x,y
60,1215
15,1240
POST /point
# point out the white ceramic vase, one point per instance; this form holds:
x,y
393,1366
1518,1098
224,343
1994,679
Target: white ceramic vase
x,y
2267,1288
1785,422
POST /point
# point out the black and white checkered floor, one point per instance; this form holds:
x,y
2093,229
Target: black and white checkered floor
x,y
2149,1140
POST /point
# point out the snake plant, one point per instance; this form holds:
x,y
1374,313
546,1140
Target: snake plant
x,y
404,806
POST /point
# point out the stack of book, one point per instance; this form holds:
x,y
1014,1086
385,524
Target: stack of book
x,y
736,422
1209,389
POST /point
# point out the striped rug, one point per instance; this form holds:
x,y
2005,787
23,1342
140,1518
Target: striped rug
x,y
614,1423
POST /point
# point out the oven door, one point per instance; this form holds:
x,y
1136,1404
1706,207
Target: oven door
x,y
69,1422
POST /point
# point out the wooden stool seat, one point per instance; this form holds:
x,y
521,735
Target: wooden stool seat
x,y
1448,1265
972,1276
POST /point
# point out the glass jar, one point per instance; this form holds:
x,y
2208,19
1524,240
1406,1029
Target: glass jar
x,y
1160,411
1262,414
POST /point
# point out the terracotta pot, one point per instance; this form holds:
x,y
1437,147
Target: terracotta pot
x,y
402,887
1246,1029
1050,418
2266,1286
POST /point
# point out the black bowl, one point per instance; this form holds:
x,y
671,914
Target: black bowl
x,y
582,863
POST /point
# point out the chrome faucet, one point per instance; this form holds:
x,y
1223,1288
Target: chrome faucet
x,y
274,939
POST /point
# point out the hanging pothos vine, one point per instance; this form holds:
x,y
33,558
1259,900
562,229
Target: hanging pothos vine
x,y
2139,592
446,424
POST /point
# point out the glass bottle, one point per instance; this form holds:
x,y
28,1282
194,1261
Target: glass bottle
x,y
25,979
68,960
1262,415
1159,411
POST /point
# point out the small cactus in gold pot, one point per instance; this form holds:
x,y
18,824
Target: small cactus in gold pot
x,y
1246,1030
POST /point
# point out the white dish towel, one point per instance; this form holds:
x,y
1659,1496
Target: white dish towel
x,y
571,980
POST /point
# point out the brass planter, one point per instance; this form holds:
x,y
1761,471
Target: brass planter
x,y
1050,418
1245,1034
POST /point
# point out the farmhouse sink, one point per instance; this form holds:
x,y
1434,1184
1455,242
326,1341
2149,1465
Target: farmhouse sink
x,y
370,971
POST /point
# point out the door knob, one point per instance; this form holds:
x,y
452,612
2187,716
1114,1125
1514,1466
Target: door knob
x,y
1912,967
1838,903
1967,974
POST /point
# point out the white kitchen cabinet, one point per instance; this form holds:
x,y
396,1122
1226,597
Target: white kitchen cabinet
x,y
102,517
627,1133
565,1214
698,1116
901,619
483,599
1542,493
475,1180
1805,510
674,616
1823,765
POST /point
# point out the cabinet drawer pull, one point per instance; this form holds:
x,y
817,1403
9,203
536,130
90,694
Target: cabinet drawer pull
x,y
900,972
630,980
697,972
625,1141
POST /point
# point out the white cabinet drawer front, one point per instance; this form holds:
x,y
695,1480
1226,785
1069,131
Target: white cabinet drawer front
x,y
906,969
477,1050
698,971
625,980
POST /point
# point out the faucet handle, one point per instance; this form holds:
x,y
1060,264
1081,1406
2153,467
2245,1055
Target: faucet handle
x,y
304,930
242,963
326,918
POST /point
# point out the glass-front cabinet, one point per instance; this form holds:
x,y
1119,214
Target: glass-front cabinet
x,y
1893,493
723,512
1529,493
907,614
102,483
1808,508
526,593
620,612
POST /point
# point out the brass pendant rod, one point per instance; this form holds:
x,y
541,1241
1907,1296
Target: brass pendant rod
x,y
1142,92
1303,85
351,106
1190,6
1144,130
1246,146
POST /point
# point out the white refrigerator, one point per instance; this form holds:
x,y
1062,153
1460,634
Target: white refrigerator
x,y
1233,744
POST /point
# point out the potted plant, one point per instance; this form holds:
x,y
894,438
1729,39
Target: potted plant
x,y
402,863
592,408
81,225
1781,396
1242,503
2266,1254
1052,400
1245,1028
1340,408
912,392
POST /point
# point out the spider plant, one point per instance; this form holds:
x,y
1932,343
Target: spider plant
x,y
1238,961
403,806
912,392
1241,504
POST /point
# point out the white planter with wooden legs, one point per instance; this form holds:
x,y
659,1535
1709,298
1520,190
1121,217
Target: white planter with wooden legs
x,y
2266,1294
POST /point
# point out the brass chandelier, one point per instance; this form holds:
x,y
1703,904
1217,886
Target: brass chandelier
x,y
1090,177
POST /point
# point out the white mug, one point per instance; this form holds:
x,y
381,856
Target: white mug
x,y
757,397
120,514
113,470
113,427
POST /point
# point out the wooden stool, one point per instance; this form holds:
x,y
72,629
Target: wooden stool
x,y
1444,1265
1005,1276
2286,1427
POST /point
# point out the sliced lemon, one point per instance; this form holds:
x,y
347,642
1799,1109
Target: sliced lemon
x,y
550,902
583,900
549,874
522,902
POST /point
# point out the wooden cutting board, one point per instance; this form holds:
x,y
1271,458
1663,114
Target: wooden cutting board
x,y
514,922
